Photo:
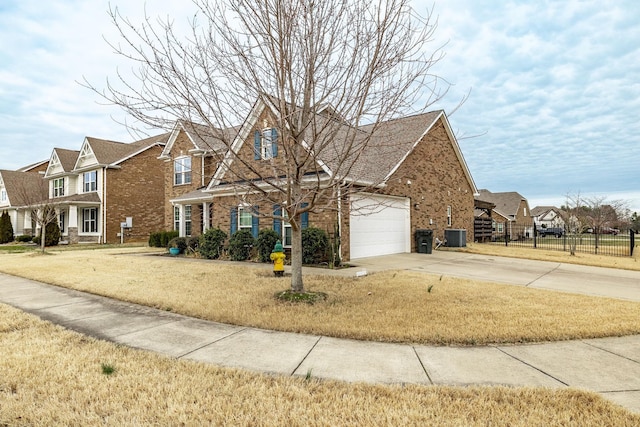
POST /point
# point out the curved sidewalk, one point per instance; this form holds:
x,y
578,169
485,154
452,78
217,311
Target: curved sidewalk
x,y
609,366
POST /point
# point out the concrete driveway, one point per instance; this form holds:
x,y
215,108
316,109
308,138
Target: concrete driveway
x,y
597,281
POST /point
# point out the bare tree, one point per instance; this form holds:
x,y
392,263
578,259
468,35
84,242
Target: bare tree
x,y
32,195
592,213
332,70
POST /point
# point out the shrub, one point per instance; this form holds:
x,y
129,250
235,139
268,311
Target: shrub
x,y
240,245
178,242
6,229
193,242
166,236
265,242
24,238
161,239
36,240
154,240
314,245
211,243
52,234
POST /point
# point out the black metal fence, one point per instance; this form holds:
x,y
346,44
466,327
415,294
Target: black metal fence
x,y
613,244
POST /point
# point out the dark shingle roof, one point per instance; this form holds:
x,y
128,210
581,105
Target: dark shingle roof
x,y
507,203
24,188
109,152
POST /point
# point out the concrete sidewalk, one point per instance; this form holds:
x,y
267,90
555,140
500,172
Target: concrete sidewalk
x,y
609,366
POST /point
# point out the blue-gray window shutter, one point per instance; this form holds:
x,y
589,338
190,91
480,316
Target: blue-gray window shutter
x,y
234,220
255,223
274,142
277,222
257,140
304,218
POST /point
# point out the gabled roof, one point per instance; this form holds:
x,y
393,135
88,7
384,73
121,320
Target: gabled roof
x,y
33,167
204,138
388,144
507,203
109,153
24,188
61,162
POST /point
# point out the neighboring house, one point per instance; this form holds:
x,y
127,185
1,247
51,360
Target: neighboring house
x,y
425,184
511,213
548,217
105,184
18,190
190,158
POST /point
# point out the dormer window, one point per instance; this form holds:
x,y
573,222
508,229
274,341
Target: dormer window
x,y
90,180
58,187
265,144
182,171
3,195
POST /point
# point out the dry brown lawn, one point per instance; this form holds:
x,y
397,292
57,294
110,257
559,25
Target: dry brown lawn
x,y
622,262
51,376
407,307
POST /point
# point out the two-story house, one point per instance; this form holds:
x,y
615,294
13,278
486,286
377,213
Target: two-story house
x,y
548,217
18,192
424,183
511,213
104,185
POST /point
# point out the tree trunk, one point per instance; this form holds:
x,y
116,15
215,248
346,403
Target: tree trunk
x,y
296,256
43,233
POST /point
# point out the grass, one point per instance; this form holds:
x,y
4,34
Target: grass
x,y
409,307
622,262
51,376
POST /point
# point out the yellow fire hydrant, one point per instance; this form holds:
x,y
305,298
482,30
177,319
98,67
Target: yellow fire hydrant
x,y
278,257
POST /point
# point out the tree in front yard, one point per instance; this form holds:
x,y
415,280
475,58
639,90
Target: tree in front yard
x,y
332,70
6,229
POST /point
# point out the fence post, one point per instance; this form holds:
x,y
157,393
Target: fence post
x,y
632,241
535,236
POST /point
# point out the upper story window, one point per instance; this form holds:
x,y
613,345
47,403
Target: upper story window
x,y
244,218
58,187
3,195
182,171
90,180
265,144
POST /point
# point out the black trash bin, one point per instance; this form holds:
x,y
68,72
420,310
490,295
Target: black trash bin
x,y
424,241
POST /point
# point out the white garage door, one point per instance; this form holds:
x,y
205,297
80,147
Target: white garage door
x,y
379,225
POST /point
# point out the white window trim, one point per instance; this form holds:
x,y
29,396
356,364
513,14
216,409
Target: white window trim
x,y
176,218
58,191
266,144
187,220
3,195
246,209
92,184
182,171
89,221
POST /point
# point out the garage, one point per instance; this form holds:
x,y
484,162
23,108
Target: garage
x,y
379,225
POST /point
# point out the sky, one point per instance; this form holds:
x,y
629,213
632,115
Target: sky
x,y
552,87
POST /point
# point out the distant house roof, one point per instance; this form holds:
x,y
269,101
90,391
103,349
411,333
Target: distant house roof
x,y
24,188
34,167
542,211
506,204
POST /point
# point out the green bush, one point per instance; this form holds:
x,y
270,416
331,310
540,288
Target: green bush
x,y
161,239
265,242
154,240
178,242
36,240
314,245
166,236
211,243
240,245
6,229
52,234
192,243
24,238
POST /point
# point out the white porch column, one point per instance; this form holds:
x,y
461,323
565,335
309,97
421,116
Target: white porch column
x,y
206,217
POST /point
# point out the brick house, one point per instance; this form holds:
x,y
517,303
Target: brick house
x,y
18,189
105,184
424,183
511,213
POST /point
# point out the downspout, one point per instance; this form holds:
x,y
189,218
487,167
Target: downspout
x,y
340,221
202,170
103,237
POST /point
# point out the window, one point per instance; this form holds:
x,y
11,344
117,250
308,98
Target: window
x,y
245,219
525,211
90,220
61,220
3,195
265,144
176,218
187,220
500,227
90,180
283,226
58,187
182,171
448,216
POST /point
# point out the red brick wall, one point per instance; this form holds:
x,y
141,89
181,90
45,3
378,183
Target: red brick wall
x,y
135,190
